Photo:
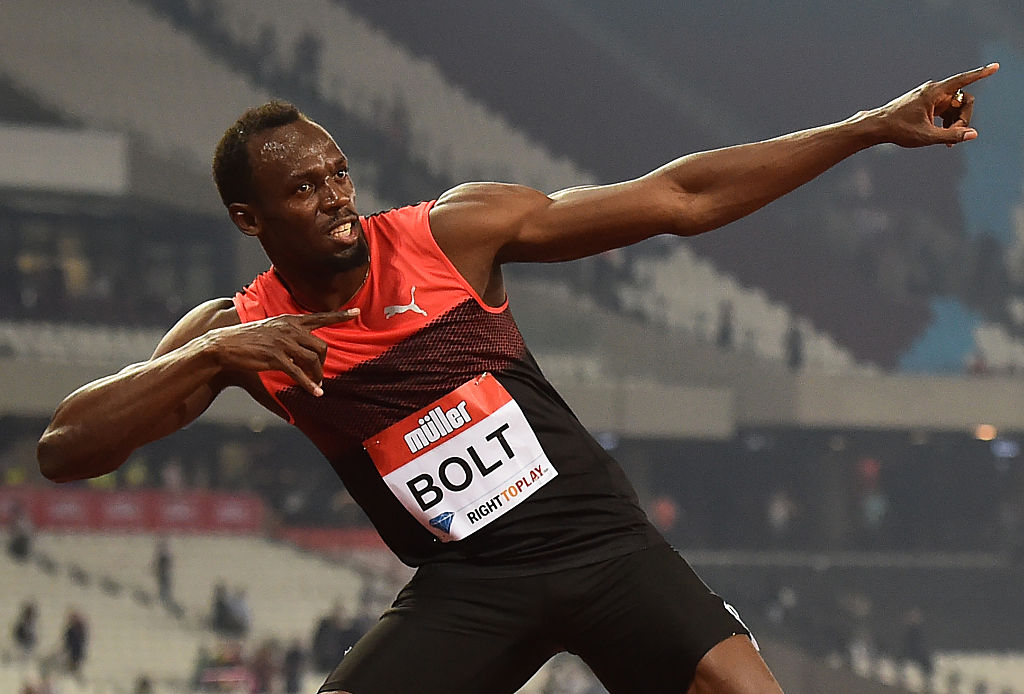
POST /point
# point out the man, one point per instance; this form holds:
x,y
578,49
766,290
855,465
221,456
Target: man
x,y
387,340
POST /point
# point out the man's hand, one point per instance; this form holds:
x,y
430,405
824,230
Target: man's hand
x,y
282,343
910,120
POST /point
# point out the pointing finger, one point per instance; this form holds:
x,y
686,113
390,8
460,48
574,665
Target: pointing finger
x,y
951,84
321,320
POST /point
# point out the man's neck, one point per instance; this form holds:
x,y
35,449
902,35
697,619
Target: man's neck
x,y
329,295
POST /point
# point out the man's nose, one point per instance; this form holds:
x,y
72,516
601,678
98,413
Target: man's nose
x,y
336,194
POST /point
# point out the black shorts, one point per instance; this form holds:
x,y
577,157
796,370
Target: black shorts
x,y
641,622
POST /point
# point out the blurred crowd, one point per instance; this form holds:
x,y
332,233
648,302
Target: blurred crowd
x,y
66,656
770,489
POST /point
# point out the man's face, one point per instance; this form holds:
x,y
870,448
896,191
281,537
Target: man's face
x,y
304,200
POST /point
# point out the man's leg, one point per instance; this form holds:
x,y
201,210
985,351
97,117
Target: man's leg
x,y
733,667
647,623
449,634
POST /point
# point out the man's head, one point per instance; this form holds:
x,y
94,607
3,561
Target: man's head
x,y
232,166
285,181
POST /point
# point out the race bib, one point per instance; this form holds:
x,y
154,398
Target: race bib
x,y
462,461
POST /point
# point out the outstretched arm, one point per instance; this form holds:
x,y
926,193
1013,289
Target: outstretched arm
x,y
479,222
96,428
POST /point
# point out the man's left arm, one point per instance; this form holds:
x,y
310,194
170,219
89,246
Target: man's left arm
x,y
483,224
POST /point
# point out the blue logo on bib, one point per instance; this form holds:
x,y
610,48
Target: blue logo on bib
x,y
443,521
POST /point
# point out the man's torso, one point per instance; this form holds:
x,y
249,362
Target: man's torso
x,y
443,480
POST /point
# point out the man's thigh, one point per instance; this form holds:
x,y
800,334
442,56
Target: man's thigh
x,y
648,622
447,636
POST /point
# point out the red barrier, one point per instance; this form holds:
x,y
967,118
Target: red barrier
x,y
145,510
333,540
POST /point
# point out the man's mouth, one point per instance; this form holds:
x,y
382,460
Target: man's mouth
x,y
342,232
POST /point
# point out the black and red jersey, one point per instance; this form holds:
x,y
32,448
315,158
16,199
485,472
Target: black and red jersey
x,y
422,333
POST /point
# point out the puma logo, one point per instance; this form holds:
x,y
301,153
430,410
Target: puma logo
x,y
391,311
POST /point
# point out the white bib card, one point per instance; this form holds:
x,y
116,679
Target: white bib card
x,y
462,461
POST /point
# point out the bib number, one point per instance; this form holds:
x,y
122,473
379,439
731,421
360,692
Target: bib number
x,y
463,461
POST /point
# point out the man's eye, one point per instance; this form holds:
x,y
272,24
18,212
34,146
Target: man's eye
x,y
342,174
303,188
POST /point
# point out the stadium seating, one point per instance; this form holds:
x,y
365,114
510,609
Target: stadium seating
x,y
121,43
109,579
366,68
683,290
125,639
370,69
288,590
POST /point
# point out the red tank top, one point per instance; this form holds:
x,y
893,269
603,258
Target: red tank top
x,y
422,336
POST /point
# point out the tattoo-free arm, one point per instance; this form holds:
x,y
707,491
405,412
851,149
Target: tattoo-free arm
x,y
95,428
477,224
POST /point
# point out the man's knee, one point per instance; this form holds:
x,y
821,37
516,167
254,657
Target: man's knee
x,y
733,667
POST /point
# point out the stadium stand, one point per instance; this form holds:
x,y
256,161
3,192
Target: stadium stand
x,y
838,344
835,248
288,589
109,579
118,627
167,69
367,70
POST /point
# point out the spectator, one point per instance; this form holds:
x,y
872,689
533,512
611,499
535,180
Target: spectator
x,y
25,631
76,641
873,501
780,514
293,666
19,545
860,641
913,649
794,346
265,666
204,659
44,685
224,670
135,473
334,635
172,475
664,511
724,332
239,612
781,604
229,613
220,611
163,566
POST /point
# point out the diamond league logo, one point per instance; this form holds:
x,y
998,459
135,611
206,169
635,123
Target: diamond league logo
x,y
443,521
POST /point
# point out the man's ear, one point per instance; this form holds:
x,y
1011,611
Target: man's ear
x,y
244,218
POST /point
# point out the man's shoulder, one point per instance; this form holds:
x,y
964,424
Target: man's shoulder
x,y
486,192
214,313
485,205
207,316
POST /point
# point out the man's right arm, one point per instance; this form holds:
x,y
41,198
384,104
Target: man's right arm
x,y
97,427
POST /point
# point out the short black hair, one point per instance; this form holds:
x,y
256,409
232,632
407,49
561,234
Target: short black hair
x,y
232,169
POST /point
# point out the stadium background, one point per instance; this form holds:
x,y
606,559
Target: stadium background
x,y
821,404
